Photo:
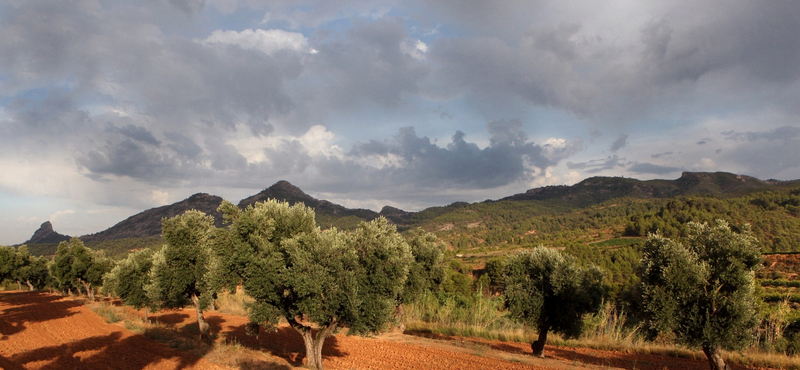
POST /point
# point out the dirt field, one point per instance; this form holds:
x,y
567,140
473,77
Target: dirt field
x,y
41,331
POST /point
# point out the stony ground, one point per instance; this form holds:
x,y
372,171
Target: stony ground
x,y
42,331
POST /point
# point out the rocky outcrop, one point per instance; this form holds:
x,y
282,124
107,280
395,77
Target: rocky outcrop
x,y
46,235
285,191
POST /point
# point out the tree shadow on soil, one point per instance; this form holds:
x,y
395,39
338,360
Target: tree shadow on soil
x,y
31,307
99,352
170,319
285,342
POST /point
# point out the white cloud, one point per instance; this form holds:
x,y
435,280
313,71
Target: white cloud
x,y
416,49
266,41
705,164
58,214
160,197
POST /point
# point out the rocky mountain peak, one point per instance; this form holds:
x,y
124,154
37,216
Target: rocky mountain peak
x,y
46,234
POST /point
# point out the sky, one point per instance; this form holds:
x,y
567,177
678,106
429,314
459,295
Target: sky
x,y
108,108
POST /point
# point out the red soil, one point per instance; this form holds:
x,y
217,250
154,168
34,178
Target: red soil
x,y
41,331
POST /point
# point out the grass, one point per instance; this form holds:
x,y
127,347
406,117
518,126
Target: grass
x,y
108,312
233,303
604,330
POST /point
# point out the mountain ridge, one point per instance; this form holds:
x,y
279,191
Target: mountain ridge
x,y
590,191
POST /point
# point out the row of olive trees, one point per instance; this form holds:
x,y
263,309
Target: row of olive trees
x,y
293,270
702,290
73,267
21,267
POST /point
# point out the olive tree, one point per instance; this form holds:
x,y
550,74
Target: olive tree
x,y
7,262
550,291
330,279
30,269
129,277
702,289
75,265
182,269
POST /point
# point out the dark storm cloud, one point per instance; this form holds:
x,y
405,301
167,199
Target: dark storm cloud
x,y
371,62
126,158
598,165
649,168
621,141
764,154
492,72
188,6
462,164
781,133
134,132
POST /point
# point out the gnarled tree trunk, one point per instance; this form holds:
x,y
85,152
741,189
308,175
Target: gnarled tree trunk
x,y
538,345
202,325
19,284
400,313
313,343
89,290
30,286
715,358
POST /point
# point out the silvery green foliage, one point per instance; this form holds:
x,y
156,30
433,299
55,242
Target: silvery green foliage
x,y
702,289
129,277
182,268
293,270
74,265
551,291
426,272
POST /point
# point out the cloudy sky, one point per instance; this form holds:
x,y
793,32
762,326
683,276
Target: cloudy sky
x,y
111,107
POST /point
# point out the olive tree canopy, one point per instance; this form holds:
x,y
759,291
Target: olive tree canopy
x,y
330,279
702,289
551,291
182,270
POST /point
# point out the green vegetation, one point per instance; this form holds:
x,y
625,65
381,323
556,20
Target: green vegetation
x,y
549,291
456,282
702,291
182,270
75,265
127,280
297,272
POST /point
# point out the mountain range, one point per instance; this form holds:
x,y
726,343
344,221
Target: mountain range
x,y
590,191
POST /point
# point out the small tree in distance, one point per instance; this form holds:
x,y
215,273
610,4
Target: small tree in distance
x,y
182,270
30,269
293,270
702,290
75,265
550,291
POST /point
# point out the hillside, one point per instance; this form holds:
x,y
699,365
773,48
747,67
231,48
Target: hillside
x,y
592,211
328,214
596,190
148,223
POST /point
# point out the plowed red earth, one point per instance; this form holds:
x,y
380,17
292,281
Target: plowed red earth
x,y
42,331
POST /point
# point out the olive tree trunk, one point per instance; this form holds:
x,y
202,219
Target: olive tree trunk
x,y
202,325
715,358
538,345
313,343
400,313
19,285
30,286
89,290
